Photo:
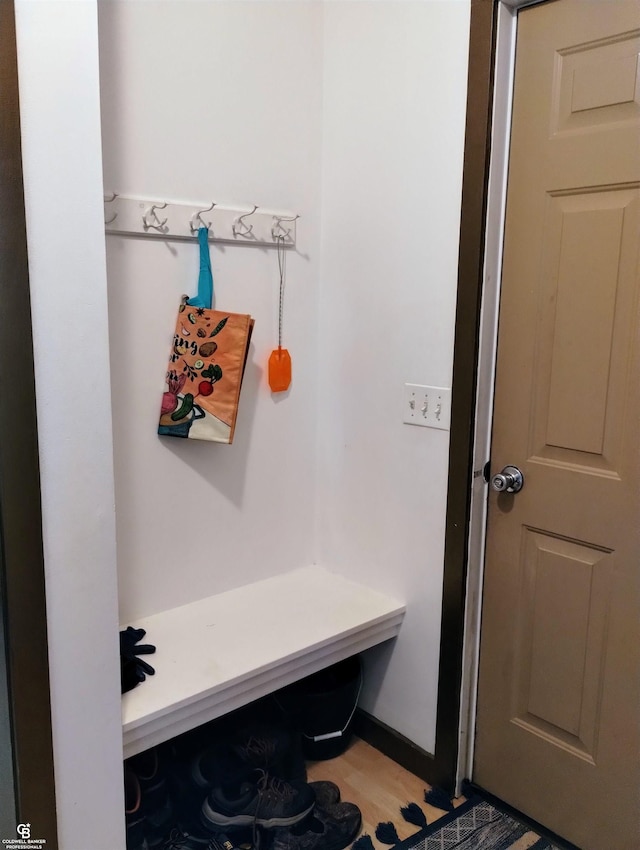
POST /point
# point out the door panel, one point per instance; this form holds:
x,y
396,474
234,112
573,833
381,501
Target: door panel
x,y
558,666
585,325
595,84
559,690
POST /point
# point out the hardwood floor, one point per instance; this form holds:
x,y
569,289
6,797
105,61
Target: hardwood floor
x,y
378,786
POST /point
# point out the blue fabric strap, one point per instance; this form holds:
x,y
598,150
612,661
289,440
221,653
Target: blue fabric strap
x,y
204,297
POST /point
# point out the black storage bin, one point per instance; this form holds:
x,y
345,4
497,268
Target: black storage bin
x,y
323,706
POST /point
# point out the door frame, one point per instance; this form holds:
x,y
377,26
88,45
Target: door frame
x,y
493,33
496,188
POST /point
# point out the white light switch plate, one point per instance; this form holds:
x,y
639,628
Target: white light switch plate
x,y
427,406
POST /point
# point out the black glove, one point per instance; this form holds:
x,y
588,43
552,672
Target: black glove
x,y
133,670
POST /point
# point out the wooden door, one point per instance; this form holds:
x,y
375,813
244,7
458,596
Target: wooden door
x,y
559,696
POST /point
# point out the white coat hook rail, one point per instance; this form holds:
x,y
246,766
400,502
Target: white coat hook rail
x,y
168,219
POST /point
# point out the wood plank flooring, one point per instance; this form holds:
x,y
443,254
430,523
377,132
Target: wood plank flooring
x,y
378,786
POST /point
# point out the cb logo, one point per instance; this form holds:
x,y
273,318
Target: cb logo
x,y
24,830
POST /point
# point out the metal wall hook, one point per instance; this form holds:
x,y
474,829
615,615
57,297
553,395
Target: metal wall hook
x,y
247,225
280,232
109,201
197,222
151,213
240,227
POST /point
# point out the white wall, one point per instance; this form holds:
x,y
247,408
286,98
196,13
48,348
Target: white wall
x,y
59,99
212,101
394,107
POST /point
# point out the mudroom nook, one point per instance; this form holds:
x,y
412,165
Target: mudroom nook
x,y
315,536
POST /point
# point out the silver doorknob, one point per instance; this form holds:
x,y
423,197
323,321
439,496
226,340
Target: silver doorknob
x,y
510,480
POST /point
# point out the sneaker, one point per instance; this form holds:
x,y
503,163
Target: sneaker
x,y
188,788
266,748
333,828
269,802
235,760
183,840
180,840
133,813
202,770
262,749
158,825
276,750
155,806
327,793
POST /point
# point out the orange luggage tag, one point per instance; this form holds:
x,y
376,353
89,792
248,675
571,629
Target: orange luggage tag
x,y
280,359
279,370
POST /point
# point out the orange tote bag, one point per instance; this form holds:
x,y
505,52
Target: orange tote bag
x,y
206,365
